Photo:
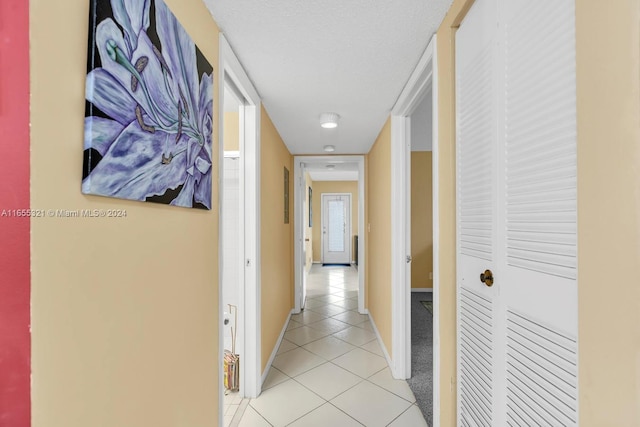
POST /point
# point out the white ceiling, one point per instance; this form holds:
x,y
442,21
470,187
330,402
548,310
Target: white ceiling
x,y
348,57
340,171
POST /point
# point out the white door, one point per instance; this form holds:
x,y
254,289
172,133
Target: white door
x,y
517,214
302,195
336,228
476,214
232,268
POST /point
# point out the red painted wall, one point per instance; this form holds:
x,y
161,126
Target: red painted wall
x,y
15,340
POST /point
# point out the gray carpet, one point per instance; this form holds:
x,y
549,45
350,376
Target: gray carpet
x,y
421,381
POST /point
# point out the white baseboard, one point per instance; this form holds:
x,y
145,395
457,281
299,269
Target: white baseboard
x,y
275,349
384,349
421,289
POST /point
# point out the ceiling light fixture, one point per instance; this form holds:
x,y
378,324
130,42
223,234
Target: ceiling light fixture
x,y
329,148
329,120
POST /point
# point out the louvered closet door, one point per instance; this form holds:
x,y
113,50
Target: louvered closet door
x,y
517,341
476,212
539,198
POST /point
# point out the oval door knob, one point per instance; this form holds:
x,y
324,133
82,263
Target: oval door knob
x,y
487,278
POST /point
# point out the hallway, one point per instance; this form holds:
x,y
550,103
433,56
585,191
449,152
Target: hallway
x,y
330,369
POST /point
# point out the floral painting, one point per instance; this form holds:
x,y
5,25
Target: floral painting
x,y
149,112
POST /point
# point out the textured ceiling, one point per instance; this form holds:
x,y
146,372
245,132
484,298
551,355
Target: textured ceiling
x,y
340,171
309,57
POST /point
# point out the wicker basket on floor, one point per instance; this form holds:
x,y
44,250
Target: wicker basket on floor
x,y
231,359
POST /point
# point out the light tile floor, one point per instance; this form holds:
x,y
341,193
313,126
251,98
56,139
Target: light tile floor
x,y
330,369
232,403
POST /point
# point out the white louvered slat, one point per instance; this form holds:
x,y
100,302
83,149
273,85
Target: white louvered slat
x,y
540,138
541,374
476,127
476,359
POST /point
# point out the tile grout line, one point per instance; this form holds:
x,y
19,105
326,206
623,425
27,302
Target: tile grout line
x,y
345,412
332,335
235,421
361,379
394,393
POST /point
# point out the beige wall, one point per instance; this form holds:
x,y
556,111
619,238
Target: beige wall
x,y
608,72
308,231
276,236
608,92
421,219
124,311
320,187
379,239
231,137
447,210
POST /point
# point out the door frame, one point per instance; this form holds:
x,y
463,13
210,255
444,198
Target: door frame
x,y
423,79
299,196
349,218
249,295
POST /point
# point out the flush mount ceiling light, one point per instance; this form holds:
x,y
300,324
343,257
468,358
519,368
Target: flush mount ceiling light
x,y
330,166
329,120
329,148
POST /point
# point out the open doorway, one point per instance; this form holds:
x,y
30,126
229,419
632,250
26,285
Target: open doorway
x,y
328,176
421,380
239,255
232,255
417,103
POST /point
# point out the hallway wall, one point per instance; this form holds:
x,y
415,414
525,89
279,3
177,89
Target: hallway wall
x,y
421,219
447,212
231,137
608,94
15,338
124,310
320,187
608,91
378,264
276,236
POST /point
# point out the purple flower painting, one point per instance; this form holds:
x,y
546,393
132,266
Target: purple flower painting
x,y
149,114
